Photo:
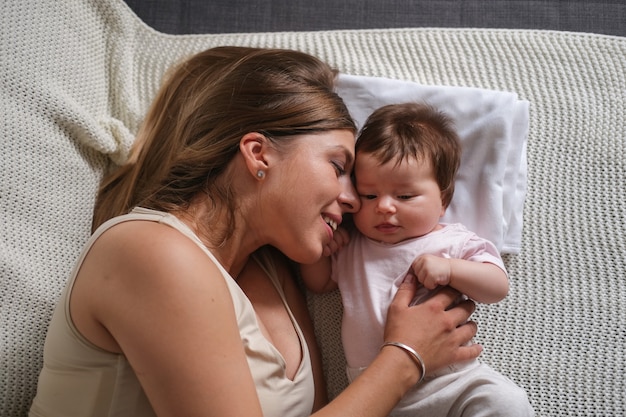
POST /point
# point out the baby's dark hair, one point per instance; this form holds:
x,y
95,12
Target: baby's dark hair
x,y
413,130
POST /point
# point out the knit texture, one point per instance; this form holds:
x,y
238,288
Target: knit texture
x,y
77,76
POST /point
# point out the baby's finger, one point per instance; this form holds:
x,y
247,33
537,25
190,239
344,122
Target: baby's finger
x,y
342,237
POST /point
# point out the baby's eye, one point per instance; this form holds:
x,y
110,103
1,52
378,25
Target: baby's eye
x,y
368,196
405,197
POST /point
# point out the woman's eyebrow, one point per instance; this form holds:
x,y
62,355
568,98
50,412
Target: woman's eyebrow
x,y
349,155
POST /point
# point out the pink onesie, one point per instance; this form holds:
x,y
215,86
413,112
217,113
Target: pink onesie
x,y
368,274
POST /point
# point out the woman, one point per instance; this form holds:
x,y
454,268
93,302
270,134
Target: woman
x,y
179,308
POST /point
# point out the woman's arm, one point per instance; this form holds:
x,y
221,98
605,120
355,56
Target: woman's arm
x,y
434,330
167,308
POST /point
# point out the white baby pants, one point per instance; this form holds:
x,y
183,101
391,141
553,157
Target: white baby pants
x,y
468,390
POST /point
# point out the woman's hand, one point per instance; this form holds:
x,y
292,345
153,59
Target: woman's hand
x,y
437,328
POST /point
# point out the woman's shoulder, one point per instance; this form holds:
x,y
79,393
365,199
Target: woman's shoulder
x,y
140,247
141,233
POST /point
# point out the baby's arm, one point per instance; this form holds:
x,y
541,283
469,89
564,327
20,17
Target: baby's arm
x,y
483,282
317,276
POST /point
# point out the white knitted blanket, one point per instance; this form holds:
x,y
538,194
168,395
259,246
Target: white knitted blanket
x,y
76,78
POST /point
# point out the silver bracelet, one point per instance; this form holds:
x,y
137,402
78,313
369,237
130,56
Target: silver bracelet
x,y
413,354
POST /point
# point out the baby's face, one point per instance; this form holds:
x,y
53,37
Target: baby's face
x,y
398,201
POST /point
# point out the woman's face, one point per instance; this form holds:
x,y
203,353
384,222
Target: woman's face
x,y
312,190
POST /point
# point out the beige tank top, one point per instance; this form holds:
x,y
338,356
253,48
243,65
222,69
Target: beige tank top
x,y
80,379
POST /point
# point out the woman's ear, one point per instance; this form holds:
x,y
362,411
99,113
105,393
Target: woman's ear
x,y
254,148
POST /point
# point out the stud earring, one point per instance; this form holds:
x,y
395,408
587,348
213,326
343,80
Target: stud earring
x,y
260,174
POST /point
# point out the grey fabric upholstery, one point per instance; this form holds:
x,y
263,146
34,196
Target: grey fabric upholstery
x,y
237,16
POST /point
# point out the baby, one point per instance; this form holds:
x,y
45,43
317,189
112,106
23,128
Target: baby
x,y
407,157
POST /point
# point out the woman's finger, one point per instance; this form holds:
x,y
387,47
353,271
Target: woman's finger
x,y
406,290
447,297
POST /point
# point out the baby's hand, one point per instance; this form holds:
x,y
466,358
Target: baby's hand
x,y
341,237
432,271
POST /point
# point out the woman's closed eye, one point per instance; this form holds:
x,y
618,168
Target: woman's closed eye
x,y
339,168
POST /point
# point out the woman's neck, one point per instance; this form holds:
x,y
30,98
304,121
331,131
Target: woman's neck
x,y
210,226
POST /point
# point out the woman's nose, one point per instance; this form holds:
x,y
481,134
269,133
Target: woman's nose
x,y
348,199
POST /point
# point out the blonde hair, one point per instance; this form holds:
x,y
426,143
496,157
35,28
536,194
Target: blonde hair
x,y
413,130
193,128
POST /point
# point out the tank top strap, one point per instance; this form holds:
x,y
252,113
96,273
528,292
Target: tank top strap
x,y
265,260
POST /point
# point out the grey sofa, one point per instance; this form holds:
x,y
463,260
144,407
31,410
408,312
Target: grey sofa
x,y
76,78
241,16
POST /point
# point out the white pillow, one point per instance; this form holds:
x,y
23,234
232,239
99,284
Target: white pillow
x,y
493,127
